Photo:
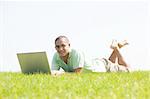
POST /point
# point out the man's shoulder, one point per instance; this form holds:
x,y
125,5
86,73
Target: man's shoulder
x,y
76,52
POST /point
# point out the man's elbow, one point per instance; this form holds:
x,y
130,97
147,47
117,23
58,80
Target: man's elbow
x,y
78,70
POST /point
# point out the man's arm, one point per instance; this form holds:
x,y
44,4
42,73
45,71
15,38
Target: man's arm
x,y
54,66
78,62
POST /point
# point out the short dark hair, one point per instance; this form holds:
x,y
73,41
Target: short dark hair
x,y
62,36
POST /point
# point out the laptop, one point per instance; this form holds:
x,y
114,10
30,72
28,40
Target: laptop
x,y
34,62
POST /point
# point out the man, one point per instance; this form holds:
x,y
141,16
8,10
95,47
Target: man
x,y
71,60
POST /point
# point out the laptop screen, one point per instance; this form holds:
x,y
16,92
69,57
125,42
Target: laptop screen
x,y
35,62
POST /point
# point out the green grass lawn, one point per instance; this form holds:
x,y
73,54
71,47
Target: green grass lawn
x,y
134,85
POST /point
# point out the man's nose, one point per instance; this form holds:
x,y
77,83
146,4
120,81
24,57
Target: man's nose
x,y
60,48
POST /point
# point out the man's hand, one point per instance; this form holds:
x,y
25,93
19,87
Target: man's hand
x,y
57,73
78,70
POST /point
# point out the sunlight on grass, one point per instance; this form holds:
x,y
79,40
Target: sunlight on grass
x,y
88,85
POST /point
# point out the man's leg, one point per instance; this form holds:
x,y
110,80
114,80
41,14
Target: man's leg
x,y
112,67
121,65
113,57
120,58
116,54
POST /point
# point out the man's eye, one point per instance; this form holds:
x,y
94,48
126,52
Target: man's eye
x,y
63,45
57,46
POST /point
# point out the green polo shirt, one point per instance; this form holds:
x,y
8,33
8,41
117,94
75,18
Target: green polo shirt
x,y
76,59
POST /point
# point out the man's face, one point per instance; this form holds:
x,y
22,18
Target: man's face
x,y
62,46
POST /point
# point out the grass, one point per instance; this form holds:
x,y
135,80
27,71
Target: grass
x,y
134,85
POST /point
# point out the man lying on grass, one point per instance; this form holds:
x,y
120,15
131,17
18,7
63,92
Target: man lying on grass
x,y
71,60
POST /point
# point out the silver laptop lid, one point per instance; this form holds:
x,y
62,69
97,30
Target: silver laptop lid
x,y
34,62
